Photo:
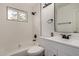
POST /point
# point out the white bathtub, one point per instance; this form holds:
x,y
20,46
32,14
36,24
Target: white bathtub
x,y
22,52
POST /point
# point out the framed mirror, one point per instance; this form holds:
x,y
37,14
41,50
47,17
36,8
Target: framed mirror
x,y
66,17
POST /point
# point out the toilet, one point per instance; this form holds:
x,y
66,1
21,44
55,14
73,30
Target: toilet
x,y
35,51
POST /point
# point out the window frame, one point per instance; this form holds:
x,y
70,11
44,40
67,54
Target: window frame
x,y
17,10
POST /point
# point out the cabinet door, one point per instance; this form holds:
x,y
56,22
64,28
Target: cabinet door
x,y
66,50
50,49
49,52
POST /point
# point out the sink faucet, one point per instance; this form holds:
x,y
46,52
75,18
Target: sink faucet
x,y
68,36
65,36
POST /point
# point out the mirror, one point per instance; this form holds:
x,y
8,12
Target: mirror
x,y
67,17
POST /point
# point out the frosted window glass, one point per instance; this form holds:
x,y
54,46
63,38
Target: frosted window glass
x,y
16,14
12,14
22,16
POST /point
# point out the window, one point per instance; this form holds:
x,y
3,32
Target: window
x,y
16,15
12,14
22,16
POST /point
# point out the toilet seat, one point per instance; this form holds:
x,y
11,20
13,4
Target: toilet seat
x,y
35,50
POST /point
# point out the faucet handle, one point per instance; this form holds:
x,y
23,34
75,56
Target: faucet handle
x,y
63,35
68,36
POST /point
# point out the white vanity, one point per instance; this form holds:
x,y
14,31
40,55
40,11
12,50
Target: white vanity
x,y
66,20
56,46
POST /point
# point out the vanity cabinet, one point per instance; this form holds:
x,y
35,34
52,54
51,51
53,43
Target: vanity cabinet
x,y
66,50
50,48
53,48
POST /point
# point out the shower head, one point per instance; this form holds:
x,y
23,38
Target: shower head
x,y
33,13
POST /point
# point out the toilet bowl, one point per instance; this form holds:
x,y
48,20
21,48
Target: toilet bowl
x,y
35,51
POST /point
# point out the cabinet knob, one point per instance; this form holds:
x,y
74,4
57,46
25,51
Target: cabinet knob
x,y
54,55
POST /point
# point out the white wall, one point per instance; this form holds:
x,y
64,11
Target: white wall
x,y
13,33
40,25
36,21
46,14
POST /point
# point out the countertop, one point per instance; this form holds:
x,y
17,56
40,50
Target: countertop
x,y
73,41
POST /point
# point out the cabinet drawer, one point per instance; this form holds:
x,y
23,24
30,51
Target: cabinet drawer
x,y
48,43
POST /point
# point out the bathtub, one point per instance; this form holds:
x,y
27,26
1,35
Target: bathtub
x,y
22,52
